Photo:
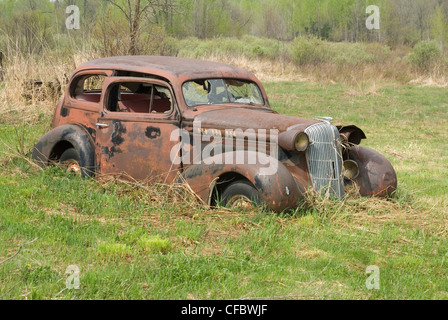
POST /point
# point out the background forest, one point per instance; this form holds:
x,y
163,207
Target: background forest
x,y
403,22
321,39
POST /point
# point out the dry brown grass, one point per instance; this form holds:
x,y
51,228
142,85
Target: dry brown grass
x,y
23,94
372,88
393,69
440,81
154,192
265,69
10,153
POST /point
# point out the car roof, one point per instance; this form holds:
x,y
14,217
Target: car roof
x,y
172,68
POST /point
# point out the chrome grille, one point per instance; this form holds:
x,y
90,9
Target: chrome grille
x,y
324,159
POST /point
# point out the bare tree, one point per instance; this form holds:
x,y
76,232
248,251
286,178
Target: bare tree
x,y
423,9
135,12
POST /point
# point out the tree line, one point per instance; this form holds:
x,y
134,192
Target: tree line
x,y
30,26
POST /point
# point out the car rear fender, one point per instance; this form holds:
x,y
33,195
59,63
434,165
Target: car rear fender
x,y
50,146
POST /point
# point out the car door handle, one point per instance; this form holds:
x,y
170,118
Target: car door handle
x,y
102,125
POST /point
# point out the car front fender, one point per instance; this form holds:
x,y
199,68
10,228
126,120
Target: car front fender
x,y
376,176
271,178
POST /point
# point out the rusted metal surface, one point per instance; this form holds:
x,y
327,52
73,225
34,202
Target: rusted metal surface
x,y
246,117
376,176
175,70
279,191
51,146
351,135
136,144
140,145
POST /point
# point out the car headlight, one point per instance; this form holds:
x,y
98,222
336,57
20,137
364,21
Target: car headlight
x,y
350,169
301,142
293,141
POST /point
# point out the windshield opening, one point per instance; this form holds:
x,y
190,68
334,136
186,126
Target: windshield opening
x,y
215,91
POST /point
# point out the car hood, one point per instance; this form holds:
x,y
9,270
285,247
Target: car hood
x,y
250,118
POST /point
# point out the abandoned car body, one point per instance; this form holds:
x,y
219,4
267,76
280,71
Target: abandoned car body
x,y
166,118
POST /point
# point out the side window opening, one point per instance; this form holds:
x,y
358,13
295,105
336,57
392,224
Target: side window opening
x,y
135,97
88,88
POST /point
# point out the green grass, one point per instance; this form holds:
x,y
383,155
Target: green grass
x,y
137,243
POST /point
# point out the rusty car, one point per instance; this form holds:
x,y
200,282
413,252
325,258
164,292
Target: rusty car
x,y
207,124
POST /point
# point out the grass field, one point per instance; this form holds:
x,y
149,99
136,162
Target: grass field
x,y
136,242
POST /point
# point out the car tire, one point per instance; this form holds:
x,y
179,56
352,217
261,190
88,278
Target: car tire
x,y
241,194
71,161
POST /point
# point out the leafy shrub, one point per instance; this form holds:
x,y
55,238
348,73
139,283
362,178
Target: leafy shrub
x,y
316,51
308,51
248,46
425,56
255,47
350,54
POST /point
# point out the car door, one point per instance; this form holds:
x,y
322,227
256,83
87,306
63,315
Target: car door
x,y
134,129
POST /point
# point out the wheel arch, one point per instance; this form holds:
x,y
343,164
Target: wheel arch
x,y
58,149
50,147
279,189
220,183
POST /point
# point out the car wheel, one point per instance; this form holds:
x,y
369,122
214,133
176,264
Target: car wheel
x,y
241,194
70,160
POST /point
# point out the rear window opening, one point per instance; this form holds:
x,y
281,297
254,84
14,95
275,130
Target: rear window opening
x,y
88,87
